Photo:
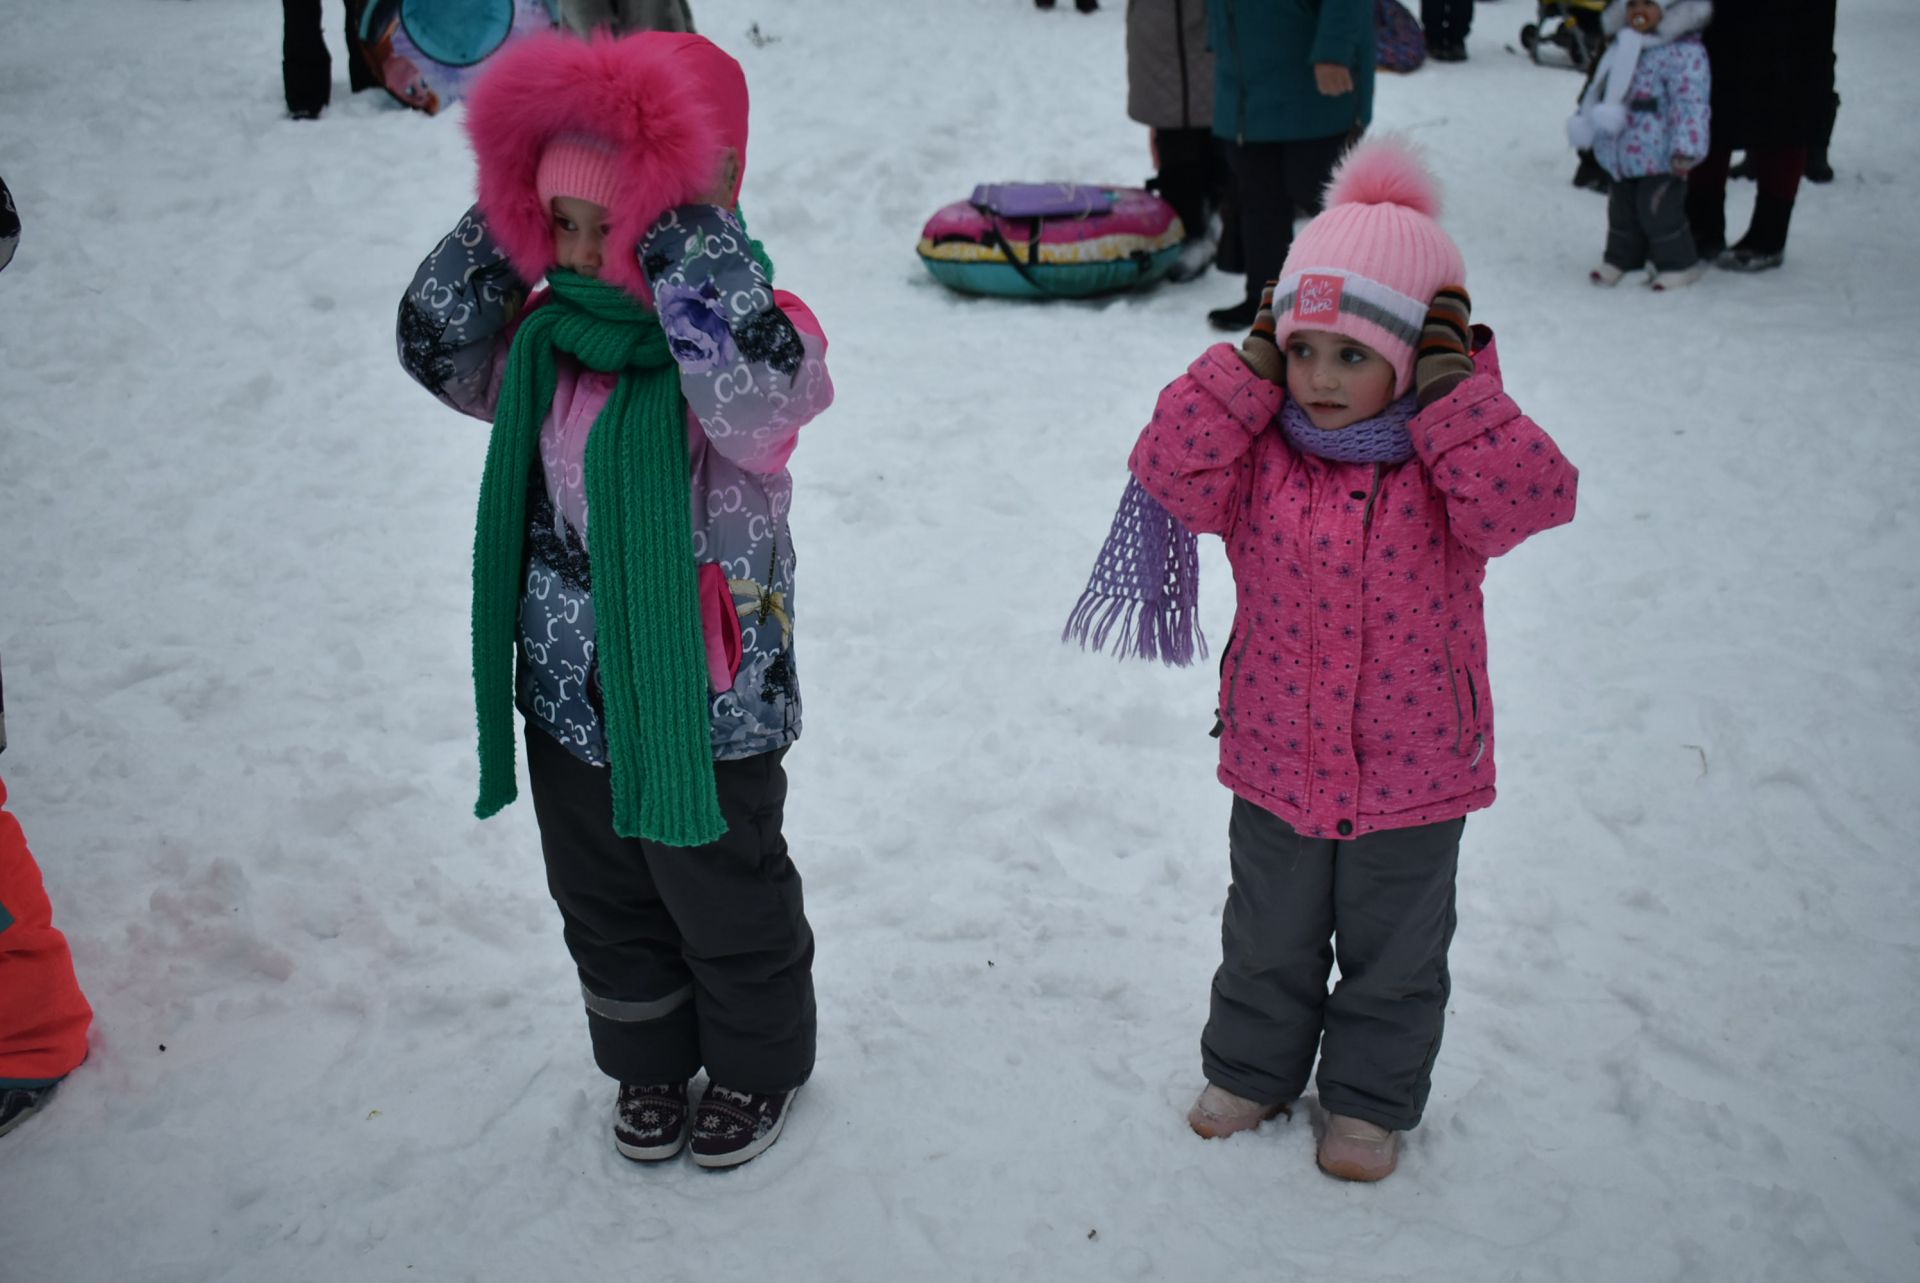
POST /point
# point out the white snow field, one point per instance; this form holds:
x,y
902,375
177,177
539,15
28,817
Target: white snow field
x,y
338,1036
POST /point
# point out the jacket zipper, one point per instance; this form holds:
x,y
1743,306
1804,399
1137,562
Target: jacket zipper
x,y
1366,515
1233,683
1460,722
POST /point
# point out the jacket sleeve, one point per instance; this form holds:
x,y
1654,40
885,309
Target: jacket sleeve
x,y
752,358
1194,455
455,319
1344,32
1687,88
1501,475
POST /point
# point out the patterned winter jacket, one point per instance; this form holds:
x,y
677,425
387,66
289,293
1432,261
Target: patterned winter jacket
x,y
752,371
1353,689
1667,112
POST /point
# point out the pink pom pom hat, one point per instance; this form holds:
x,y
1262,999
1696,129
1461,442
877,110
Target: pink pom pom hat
x,y
1368,267
637,123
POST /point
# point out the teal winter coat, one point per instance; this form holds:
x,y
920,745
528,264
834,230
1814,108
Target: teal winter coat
x,y
1264,54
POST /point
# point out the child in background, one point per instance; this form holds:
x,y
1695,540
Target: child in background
x,y
632,546
1645,116
44,1017
1359,493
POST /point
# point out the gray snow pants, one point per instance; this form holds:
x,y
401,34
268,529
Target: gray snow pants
x,y
1647,218
688,956
1385,901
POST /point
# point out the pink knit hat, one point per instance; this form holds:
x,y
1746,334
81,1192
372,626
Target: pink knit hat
x,y
579,166
1368,267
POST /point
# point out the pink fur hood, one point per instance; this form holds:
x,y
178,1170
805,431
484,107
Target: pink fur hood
x,y
669,103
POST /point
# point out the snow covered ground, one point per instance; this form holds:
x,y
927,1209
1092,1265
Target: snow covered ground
x,y
338,1036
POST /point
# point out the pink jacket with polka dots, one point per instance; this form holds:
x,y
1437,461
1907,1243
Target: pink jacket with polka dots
x,y
1353,689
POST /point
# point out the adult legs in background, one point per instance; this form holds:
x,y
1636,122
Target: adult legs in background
x,y
1777,172
1446,23
1707,200
306,70
1272,182
1192,179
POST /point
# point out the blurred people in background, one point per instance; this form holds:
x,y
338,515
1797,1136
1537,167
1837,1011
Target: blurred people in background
x,y
1446,23
585,17
1170,90
305,68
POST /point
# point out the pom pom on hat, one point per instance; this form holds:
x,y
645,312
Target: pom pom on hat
x,y
1369,265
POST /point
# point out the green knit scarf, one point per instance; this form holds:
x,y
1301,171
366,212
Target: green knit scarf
x,y
653,669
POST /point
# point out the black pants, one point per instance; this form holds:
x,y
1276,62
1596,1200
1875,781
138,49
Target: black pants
x,y
1647,219
688,956
1194,177
1273,181
305,68
1446,21
1777,171
1385,901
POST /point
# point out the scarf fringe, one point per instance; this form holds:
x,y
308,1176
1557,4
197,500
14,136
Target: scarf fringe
x,y
1162,633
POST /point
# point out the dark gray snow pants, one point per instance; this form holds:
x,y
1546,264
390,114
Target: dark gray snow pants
x,y
1647,219
689,957
1382,904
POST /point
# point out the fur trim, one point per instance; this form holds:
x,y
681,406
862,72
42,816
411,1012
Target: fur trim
x,y
1678,20
666,136
1385,171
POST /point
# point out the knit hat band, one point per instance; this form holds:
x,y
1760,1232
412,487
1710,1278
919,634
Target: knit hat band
x,y
1314,299
579,166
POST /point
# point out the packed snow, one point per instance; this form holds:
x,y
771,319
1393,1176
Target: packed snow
x,y
338,1035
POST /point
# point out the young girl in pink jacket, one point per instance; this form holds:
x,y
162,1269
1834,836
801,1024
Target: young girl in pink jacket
x,y
1361,461
633,571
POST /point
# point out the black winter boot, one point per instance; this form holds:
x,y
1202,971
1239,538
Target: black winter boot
x,y
1765,244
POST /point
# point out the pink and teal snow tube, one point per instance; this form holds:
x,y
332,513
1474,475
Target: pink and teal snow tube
x,y
426,52
1051,240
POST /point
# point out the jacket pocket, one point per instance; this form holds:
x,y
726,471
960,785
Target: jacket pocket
x,y
1468,740
720,628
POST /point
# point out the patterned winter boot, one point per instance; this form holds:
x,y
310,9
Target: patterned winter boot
x,y
732,1127
650,1120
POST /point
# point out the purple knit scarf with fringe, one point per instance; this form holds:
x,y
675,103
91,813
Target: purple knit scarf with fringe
x,y
1144,593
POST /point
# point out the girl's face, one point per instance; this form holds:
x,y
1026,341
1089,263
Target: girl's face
x,y
1337,381
579,234
1643,15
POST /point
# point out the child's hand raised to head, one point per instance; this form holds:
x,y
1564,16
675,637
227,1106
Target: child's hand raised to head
x,y
1258,349
1446,345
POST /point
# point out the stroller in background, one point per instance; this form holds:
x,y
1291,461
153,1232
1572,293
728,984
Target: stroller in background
x,y
1570,26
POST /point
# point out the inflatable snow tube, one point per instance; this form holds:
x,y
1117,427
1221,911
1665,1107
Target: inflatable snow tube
x,y
1051,240
426,52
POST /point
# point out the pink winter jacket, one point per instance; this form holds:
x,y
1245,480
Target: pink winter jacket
x,y
1353,688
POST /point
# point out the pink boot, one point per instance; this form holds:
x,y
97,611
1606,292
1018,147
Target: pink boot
x,y
1219,1113
1355,1150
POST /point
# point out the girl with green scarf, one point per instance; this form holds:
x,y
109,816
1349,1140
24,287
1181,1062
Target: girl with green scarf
x,y
633,573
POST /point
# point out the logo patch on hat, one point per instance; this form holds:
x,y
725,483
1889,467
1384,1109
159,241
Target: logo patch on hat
x,y
1319,297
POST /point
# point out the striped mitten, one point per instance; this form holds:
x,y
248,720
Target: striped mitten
x,y
1258,349
1446,345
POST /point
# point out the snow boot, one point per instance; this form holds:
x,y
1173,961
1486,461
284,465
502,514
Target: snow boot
x,y
732,1127
1218,1113
650,1121
18,1104
1356,1150
1678,280
1238,316
1606,275
1765,244
1195,257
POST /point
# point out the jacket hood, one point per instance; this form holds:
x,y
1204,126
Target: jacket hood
x,y
669,104
1677,20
